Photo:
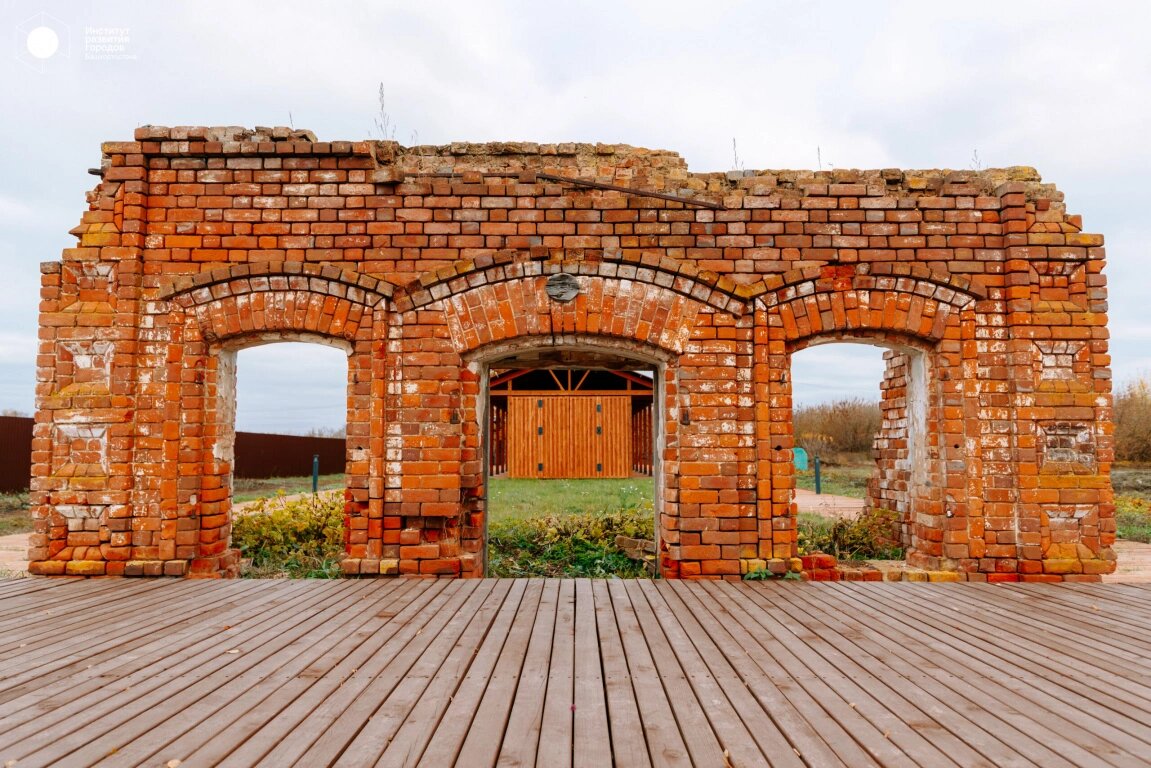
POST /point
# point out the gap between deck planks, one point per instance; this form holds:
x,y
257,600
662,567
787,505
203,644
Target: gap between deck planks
x,y
572,673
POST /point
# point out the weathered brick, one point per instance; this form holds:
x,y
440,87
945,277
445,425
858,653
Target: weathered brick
x,y
425,278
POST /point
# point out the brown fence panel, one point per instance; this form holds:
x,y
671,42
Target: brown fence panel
x,y
264,455
15,453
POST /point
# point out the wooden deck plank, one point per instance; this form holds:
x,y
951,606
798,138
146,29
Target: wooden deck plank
x,y
327,730
703,743
780,675
862,653
154,729
665,743
497,662
873,694
88,670
750,736
584,673
889,740
953,667
628,745
1020,679
559,699
802,737
1132,598
521,735
1068,629
213,718
251,736
484,732
1086,613
69,598
592,732
421,723
394,708
121,630
1051,659
119,721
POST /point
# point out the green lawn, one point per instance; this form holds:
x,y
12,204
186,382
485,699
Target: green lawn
x,y
1133,518
520,499
249,489
15,516
839,479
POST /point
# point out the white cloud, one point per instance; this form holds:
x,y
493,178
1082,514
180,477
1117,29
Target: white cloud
x,y
905,83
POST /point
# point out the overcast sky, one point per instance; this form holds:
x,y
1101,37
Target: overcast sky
x,y
1058,86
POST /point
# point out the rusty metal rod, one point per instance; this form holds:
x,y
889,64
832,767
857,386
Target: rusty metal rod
x,y
629,190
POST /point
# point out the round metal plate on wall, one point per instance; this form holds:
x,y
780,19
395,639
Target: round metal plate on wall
x,y
562,287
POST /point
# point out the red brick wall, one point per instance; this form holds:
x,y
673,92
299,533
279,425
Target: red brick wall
x,y
430,263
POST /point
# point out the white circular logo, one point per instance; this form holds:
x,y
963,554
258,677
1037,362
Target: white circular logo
x,y
43,42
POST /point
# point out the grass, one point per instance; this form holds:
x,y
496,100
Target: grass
x,y
15,517
838,479
1133,518
250,488
1132,480
567,528
521,499
578,545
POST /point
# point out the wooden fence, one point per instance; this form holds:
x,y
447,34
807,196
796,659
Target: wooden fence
x,y
15,453
257,454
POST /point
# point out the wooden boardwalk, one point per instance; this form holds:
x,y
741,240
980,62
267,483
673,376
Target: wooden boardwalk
x,y
561,673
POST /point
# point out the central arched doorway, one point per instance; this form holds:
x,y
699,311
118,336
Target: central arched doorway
x,y
584,415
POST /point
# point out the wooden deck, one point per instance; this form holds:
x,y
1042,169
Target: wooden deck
x,y
585,673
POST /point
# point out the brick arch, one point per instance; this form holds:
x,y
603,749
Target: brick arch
x,y
866,304
920,317
518,306
637,351
218,313
278,297
717,291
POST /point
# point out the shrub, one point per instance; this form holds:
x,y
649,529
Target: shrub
x,y
300,538
580,545
873,534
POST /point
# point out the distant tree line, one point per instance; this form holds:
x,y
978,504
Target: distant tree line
x,y
843,426
1133,421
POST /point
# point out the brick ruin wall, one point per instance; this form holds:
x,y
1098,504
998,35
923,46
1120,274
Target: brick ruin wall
x,y
429,264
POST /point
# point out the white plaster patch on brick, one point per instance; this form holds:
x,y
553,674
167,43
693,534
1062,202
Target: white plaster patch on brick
x,y
1056,359
82,517
94,358
80,444
91,275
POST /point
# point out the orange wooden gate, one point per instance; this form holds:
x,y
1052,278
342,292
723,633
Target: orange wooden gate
x,y
569,436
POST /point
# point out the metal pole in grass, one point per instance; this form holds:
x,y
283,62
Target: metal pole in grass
x,y
315,474
818,485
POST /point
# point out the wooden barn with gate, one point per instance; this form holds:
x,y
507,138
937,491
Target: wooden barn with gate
x,y
570,423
